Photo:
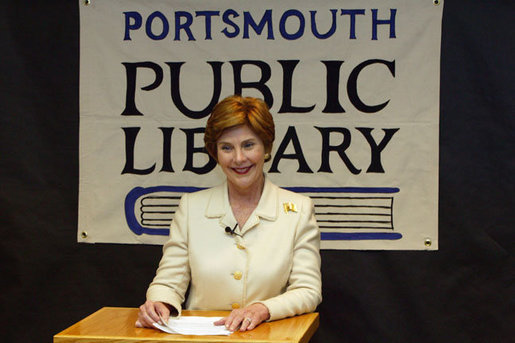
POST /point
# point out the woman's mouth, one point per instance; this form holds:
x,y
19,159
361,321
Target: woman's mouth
x,y
241,171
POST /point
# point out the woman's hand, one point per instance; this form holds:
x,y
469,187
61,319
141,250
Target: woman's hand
x,y
152,312
246,318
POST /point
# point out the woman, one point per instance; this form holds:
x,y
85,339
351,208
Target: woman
x,y
246,245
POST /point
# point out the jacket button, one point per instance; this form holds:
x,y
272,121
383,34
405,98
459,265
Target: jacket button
x,y
235,306
237,275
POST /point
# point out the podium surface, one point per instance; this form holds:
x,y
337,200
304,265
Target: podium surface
x,y
116,324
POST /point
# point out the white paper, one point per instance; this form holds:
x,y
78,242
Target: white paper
x,y
193,325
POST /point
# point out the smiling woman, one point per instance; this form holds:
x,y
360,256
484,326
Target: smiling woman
x,y
241,155
239,136
266,265
240,149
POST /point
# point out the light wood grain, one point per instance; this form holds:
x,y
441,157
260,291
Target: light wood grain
x,y
116,325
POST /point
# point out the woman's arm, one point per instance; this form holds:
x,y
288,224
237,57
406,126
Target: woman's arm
x,y
173,274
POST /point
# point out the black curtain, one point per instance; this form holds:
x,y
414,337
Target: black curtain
x,y
461,293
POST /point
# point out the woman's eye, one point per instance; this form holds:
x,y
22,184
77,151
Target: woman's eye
x,y
225,147
248,145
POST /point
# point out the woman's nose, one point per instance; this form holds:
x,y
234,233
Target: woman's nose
x,y
239,155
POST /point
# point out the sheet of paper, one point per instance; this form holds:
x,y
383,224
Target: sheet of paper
x,y
193,325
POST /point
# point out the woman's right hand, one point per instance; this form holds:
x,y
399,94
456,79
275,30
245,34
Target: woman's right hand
x,y
152,312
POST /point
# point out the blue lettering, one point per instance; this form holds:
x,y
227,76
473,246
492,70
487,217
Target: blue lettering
x,y
148,26
352,14
157,25
314,25
134,26
207,15
390,22
228,21
186,26
282,24
258,28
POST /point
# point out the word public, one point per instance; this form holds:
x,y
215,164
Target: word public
x,y
288,67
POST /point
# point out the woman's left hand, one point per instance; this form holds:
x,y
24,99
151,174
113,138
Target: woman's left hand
x,y
246,318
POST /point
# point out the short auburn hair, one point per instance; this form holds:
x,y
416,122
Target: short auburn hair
x,y
236,110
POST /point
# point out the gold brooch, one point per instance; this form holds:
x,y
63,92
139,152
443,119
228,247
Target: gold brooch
x,y
289,207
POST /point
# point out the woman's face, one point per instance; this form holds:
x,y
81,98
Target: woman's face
x,y
241,154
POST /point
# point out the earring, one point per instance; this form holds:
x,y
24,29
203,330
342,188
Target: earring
x,y
267,157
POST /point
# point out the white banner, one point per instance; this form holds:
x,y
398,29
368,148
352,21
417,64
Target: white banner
x,y
353,87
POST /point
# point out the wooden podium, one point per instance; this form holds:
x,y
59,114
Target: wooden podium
x,y
116,324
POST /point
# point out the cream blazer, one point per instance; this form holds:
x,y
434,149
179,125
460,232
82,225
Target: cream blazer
x,y
274,259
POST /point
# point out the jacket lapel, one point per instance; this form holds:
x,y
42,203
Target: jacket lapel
x,y
266,208
219,207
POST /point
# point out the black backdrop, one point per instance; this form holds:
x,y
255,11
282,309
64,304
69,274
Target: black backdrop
x,y
461,293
